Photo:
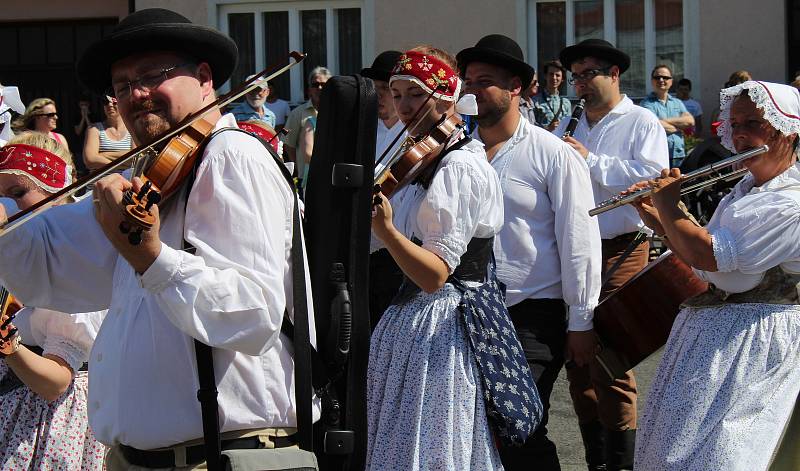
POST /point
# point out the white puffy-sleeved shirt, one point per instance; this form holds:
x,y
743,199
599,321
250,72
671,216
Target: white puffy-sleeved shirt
x,y
626,146
68,336
756,228
463,201
549,246
231,295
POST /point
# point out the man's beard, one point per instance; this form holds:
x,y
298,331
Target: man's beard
x,y
256,103
493,113
148,127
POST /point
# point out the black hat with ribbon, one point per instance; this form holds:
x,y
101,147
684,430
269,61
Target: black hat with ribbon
x,y
597,48
382,66
498,50
157,29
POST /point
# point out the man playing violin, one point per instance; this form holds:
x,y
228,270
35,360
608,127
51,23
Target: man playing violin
x,y
230,294
548,253
622,144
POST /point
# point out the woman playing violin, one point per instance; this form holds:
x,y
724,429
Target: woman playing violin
x,y
730,373
43,406
425,405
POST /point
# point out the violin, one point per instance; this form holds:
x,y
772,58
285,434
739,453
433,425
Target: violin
x,y
164,163
417,154
162,175
9,307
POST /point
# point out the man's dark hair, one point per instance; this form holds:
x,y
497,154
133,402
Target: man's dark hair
x,y
684,82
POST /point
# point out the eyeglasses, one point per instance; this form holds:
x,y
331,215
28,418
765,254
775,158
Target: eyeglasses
x,y
587,75
662,77
146,82
49,115
316,84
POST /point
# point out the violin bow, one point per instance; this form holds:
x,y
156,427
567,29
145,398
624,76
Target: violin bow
x,y
24,216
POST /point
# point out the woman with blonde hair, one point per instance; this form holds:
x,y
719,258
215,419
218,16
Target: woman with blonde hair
x,y
40,116
43,381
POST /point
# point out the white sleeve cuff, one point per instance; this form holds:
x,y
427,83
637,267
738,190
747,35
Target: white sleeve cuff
x,y
580,319
68,351
724,249
591,159
163,270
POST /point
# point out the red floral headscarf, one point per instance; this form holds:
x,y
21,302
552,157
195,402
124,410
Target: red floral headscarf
x,y
47,170
429,73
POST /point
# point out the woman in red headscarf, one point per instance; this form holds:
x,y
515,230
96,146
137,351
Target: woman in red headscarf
x,y
425,401
43,384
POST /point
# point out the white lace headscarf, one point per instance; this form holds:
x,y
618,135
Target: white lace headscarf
x,y
780,104
9,100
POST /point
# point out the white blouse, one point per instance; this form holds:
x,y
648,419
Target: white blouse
x,y
68,336
755,229
464,200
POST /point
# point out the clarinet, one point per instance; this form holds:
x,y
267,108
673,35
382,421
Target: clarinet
x,y
573,120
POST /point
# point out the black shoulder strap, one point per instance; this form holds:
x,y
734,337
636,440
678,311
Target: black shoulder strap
x,y
207,393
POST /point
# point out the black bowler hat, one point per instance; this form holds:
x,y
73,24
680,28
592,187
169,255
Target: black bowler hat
x,y
382,66
157,29
595,48
498,50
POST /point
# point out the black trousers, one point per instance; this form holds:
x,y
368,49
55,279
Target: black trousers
x,y
541,325
385,278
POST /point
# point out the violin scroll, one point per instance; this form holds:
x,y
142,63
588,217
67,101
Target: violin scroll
x,y
138,212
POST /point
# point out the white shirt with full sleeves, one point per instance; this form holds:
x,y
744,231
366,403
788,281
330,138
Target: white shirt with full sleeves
x,y
463,201
755,228
230,295
626,146
549,246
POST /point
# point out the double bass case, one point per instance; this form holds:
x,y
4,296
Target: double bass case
x,y
338,202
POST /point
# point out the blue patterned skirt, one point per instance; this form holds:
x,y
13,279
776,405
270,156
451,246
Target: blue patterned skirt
x,y
425,406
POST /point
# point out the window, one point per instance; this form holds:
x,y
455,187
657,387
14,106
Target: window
x,y
649,31
329,32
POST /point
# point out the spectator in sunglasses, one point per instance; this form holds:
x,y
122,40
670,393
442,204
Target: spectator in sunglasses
x,y
296,124
40,116
671,112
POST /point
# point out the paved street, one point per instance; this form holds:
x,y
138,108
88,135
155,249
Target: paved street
x,y
563,426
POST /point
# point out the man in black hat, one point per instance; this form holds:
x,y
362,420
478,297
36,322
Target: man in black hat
x,y
230,292
548,252
389,124
622,144
385,276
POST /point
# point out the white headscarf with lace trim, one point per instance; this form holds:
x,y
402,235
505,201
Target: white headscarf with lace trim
x,y
780,104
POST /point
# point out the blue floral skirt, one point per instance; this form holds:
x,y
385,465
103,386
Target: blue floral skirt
x,y
425,406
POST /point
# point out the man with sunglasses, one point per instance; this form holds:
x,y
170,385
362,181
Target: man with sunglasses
x,y
298,120
671,112
622,144
215,267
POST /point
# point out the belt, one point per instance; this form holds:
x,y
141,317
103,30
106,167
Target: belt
x,y
196,453
627,237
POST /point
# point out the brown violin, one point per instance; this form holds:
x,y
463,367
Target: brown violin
x,y
164,163
417,154
9,307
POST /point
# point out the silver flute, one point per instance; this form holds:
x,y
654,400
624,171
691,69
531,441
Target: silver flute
x,y
621,200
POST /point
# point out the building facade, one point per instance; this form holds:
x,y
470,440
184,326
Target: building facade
x,y
703,40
